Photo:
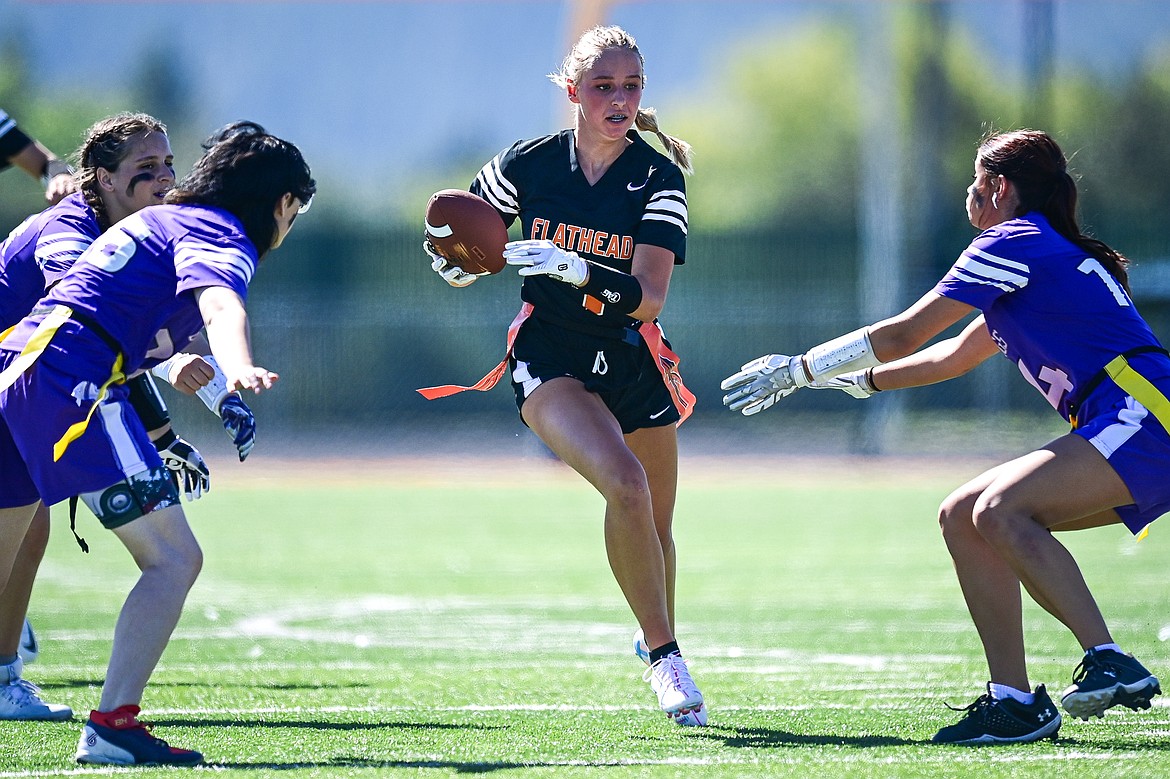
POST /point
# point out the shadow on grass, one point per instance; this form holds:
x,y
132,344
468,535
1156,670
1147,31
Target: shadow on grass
x,y
763,738
1106,745
358,763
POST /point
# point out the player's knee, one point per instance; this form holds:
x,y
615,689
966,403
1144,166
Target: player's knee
x,y
186,563
628,492
994,522
954,515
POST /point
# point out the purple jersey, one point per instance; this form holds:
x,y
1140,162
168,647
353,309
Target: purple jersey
x,y
39,252
1054,311
138,279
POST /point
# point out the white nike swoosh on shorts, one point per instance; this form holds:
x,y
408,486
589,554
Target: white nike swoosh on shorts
x,y
660,413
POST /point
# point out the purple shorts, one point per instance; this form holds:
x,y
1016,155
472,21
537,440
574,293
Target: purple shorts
x,y
36,411
1138,447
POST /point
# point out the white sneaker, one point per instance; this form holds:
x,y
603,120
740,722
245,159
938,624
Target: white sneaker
x,y
694,718
29,647
676,691
21,700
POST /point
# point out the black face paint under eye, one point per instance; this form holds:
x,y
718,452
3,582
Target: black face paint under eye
x,y
140,178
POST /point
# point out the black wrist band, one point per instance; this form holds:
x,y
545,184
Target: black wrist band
x,y
613,288
54,168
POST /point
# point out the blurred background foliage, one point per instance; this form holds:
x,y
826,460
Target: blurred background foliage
x,y
349,311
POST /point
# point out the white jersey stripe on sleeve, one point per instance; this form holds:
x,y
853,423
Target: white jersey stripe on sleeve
x,y
498,190
1020,266
648,216
963,275
57,249
667,207
229,259
673,194
994,273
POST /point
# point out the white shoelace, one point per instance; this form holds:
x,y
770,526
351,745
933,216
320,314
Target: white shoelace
x,y
671,671
22,693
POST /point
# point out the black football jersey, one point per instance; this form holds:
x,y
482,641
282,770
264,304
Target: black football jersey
x,y
641,199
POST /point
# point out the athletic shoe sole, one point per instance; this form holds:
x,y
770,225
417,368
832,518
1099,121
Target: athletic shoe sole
x,y
695,718
1048,731
1093,703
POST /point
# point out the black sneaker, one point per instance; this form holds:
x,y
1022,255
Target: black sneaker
x,y
1105,679
1004,721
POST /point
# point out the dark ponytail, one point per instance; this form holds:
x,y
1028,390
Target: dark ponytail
x,y
1038,169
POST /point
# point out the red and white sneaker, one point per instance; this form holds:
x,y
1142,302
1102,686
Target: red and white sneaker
x,y
118,738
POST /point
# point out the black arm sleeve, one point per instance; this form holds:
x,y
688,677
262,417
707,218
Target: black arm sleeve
x,y
147,402
621,291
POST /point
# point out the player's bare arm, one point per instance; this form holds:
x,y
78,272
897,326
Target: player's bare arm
x,y
652,267
226,323
938,362
904,334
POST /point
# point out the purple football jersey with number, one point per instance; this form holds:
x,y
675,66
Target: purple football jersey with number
x,y
1054,311
136,283
40,251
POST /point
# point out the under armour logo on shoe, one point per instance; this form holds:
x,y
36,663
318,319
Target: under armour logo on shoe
x,y
1045,715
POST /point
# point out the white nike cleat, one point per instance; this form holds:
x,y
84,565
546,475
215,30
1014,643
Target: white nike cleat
x,y
677,694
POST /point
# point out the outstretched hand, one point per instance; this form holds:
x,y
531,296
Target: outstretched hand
x,y
253,378
763,381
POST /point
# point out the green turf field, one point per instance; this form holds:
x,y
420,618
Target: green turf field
x,y
393,623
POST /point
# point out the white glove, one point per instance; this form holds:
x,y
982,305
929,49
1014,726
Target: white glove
x,y
188,471
452,274
546,258
763,381
859,384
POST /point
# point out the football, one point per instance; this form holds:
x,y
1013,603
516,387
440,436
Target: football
x,y
466,230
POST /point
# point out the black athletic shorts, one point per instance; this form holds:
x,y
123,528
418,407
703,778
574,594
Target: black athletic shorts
x,y
623,373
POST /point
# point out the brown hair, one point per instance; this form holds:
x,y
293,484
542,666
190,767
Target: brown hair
x,y
592,43
1038,169
105,145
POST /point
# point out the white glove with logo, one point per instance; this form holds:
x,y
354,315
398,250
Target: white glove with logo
x,y
859,384
452,274
763,381
543,257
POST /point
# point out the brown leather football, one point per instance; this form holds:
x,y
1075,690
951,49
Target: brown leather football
x,y
466,230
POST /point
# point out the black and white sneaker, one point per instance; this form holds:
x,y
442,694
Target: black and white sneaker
x,y
1003,721
1105,679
